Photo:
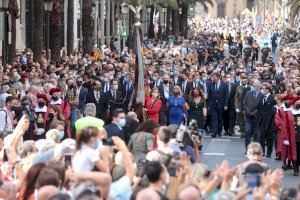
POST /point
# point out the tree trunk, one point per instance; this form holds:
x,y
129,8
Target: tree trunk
x,y
13,11
70,27
87,26
184,20
151,25
38,30
56,30
168,25
175,24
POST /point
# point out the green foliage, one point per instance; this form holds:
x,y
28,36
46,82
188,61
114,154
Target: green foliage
x,y
295,7
158,3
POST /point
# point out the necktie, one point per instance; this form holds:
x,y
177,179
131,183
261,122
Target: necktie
x,y
265,99
183,87
229,86
106,88
114,95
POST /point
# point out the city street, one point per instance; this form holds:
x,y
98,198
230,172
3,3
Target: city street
x,y
215,150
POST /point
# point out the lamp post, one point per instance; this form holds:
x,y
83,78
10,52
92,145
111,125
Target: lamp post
x,y
124,11
165,21
96,22
148,18
48,6
4,8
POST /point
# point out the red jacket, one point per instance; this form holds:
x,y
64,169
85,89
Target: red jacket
x,y
286,131
153,109
291,98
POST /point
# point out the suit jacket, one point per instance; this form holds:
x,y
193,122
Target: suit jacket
x,y
127,92
193,85
82,98
239,97
114,104
103,87
267,111
101,104
251,106
231,92
163,98
188,88
217,98
114,130
176,81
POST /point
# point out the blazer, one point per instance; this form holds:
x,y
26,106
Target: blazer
x,y
267,111
163,98
101,105
103,87
127,92
239,97
217,98
251,106
113,130
188,88
118,103
82,98
231,103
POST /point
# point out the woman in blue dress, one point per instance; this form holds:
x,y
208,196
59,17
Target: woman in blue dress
x,y
177,105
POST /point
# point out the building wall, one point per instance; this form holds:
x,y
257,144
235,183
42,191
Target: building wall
x,y
21,26
232,8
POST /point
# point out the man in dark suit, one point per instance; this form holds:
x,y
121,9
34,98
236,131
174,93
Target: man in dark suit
x,y
98,98
165,90
266,118
217,102
105,83
251,105
81,92
127,91
228,115
185,86
115,128
113,99
176,78
196,82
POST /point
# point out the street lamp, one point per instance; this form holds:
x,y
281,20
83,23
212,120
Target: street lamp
x,y
124,11
48,6
4,7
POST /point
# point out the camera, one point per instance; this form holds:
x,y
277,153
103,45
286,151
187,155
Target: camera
x,y
189,135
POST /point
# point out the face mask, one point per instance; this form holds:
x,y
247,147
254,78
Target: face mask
x,y
197,80
154,78
61,134
287,105
96,144
253,89
228,80
176,94
71,86
41,104
115,87
105,80
166,82
17,110
79,83
26,106
297,106
121,122
204,78
171,73
55,98
263,92
155,94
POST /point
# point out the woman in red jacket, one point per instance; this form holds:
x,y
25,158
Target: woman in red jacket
x,y
153,105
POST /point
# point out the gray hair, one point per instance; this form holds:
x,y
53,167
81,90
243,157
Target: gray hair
x,y
254,149
5,88
132,115
90,110
27,147
18,85
34,88
53,134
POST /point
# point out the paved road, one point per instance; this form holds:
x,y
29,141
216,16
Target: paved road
x,y
215,150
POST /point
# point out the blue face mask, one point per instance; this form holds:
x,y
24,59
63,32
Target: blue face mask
x,y
61,134
121,122
95,145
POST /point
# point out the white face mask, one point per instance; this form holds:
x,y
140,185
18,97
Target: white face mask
x,y
155,94
116,87
121,122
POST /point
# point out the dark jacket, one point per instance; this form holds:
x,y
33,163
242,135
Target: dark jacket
x,y
251,105
266,111
101,104
113,130
217,98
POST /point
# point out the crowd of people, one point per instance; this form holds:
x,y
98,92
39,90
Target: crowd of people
x,y
70,130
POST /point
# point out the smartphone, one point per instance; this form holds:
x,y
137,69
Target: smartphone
x,y
5,158
252,180
68,161
108,141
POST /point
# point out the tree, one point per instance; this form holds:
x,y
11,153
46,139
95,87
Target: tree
x,y
38,29
70,27
154,4
295,10
185,4
87,26
13,10
56,30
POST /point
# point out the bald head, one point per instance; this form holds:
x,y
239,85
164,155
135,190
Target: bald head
x,y
147,194
48,191
190,193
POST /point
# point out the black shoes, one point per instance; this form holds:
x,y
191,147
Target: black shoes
x,y
296,171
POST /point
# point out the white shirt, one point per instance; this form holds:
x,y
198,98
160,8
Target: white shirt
x,y
85,159
5,121
166,90
78,90
97,95
120,189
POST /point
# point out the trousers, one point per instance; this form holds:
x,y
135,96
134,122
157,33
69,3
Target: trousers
x,y
252,129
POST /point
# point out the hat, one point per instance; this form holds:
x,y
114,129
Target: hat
x,y
54,90
88,121
42,96
25,75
